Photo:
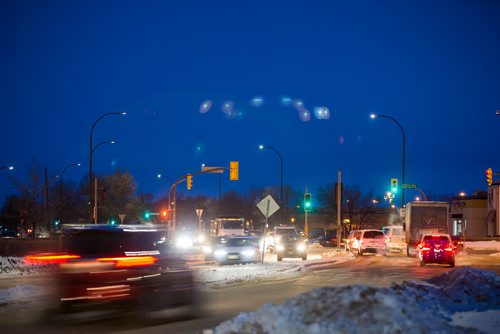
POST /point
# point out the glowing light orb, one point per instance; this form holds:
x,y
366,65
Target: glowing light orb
x,y
304,115
322,112
205,106
286,101
257,101
228,107
341,140
298,104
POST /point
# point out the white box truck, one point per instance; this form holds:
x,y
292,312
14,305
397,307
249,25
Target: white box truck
x,y
424,217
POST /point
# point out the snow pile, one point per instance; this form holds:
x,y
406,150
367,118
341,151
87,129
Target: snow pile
x,y
15,266
413,307
20,296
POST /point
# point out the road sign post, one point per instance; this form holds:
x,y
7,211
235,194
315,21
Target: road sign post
x,y
267,206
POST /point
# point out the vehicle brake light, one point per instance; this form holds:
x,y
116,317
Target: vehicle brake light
x,y
130,261
449,248
42,259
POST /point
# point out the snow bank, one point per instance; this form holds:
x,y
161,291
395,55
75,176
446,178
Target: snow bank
x,y
412,307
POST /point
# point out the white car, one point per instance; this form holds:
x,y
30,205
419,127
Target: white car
x,y
369,241
395,238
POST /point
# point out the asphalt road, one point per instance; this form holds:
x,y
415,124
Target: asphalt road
x,y
225,303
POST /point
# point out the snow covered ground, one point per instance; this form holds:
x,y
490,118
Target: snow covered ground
x,y
462,298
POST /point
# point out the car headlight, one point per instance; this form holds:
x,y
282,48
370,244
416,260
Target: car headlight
x,y
207,249
248,252
280,248
220,252
301,247
184,242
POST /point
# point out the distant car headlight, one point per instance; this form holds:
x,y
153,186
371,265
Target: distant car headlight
x,y
201,238
248,252
220,252
301,247
184,242
280,248
207,249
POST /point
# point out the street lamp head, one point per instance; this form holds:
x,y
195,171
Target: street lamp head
x,y
373,116
112,142
11,167
261,147
78,164
123,113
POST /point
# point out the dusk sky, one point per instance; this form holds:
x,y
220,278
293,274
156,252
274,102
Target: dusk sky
x,y
259,67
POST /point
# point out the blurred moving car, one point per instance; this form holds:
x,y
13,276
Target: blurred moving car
x,y
459,242
280,231
291,246
395,237
233,249
329,239
436,248
120,267
369,241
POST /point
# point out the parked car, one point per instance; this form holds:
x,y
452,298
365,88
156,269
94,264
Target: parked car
x,y
120,268
436,248
234,249
395,238
291,246
459,242
329,239
369,241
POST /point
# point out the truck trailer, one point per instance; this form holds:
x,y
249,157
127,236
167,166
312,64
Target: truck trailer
x,y
424,217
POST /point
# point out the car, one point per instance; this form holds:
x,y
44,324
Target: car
x,y
395,237
348,241
291,246
459,242
329,239
436,248
234,250
369,241
120,268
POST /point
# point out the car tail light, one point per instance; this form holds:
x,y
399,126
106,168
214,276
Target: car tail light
x,y
42,259
449,248
130,261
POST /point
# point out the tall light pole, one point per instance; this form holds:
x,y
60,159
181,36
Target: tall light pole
x,y
91,150
62,177
261,147
373,116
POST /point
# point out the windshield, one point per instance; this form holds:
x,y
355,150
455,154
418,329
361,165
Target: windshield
x,y
237,242
373,234
232,224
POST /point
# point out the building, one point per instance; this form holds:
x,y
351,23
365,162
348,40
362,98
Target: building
x,y
468,215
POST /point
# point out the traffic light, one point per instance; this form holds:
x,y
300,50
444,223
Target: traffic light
x,y
307,202
112,221
394,185
147,215
233,170
164,213
489,176
189,181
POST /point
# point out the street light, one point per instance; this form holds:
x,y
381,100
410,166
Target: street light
x,y
102,143
261,147
91,150
7,167
373,116
62,177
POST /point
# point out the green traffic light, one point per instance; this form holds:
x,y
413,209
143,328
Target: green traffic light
x,y
112,222
147,215
394,189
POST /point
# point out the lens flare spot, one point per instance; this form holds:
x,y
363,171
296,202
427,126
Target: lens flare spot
x,y
257,101
228,107
304,115
298,104
286,101
341,140
322,112
199,148
205,106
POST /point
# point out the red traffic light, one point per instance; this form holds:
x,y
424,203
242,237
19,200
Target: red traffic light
x,y
489,176
164,213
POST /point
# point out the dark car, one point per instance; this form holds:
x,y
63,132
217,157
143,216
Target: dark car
x,y
436,248
458,241
234,250
121,267
329,239
291,246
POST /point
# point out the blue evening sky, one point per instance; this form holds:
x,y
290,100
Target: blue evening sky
x,y
432,65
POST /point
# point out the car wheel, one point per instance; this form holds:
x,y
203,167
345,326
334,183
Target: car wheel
x,y
304,257
452,264
280,258
360,251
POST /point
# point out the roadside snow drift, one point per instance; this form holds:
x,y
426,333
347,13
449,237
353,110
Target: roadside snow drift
x,y
412,307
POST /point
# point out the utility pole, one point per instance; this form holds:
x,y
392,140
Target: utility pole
x,y
339,207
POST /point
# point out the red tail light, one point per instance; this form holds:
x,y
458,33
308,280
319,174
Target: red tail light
x,y
130,261
449,248
49,258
